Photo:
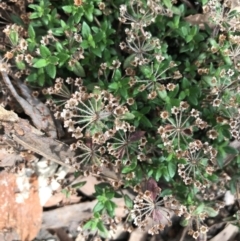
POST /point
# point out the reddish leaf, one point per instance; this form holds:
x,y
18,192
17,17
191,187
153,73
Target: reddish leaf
x,y
152,186
135,136
187,131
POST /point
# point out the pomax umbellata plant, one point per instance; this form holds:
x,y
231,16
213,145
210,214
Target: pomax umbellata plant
x,y
149,92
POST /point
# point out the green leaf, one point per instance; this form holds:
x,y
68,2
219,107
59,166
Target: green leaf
x,y
35,7
237,159
220,157
193,99
127,116
166,174
20,65
113,86
131,167
51,70
59,47
178,10
226,132
171,25
13,36
16,19
117,75
68,8
204,2
162,94
176,21
79,184
58,31
62,58
32,77
97,51
194,30
146,70
53,59
86,31
34,15
78,70
184,222
167,3
63,24
182,95
233,186
230,150
66,193
189,38
100,188
110,206
41,79
40,63
77,17
45,20
171,169
31,46
128,60
145,110
98,207
110,194
210,211
145,121
95,30
102,229
97,12
88,13
199,37
184,31
91,41
89,225
44,51
185,83
123,92
158,174
84,44
31,32
199,209
166,192
128,202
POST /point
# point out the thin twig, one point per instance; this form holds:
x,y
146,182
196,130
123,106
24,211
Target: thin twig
x,y
183,233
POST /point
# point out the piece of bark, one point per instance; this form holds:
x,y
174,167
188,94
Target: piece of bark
x,y
201,20
68,215
46,122
89,188
58,198
137,235
227,234
32,139
6,115
8,159
46,147
20,206
36,110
